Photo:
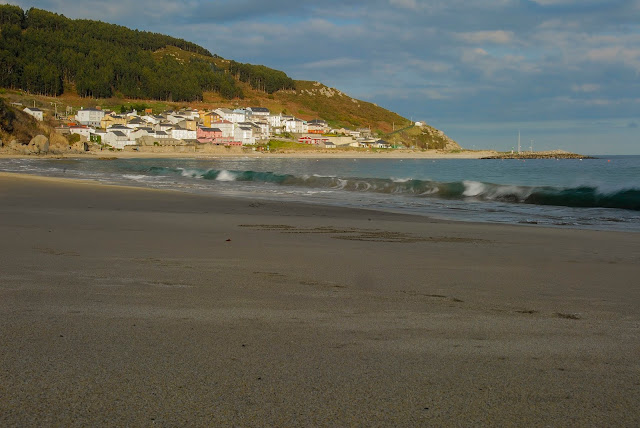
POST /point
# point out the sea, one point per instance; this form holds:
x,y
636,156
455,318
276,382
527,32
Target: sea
x,y
601,193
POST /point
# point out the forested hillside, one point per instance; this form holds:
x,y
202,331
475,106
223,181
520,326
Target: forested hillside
x,y
42,52
44,55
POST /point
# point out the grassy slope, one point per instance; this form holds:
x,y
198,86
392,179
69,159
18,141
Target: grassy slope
x,y
310,100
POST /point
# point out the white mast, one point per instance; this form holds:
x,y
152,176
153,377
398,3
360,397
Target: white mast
x,y
518,141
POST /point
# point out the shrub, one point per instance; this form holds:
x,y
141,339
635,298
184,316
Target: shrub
x,y
73,138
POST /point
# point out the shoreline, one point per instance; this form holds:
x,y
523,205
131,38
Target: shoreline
x,y
142,306
307,154
430,154
434,215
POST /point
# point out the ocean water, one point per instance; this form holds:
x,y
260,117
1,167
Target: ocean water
x,y
601,193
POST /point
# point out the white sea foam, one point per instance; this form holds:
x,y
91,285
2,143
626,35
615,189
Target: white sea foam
x,y
135,177
473,188
225,176
400,180
189,172
521,192
341,184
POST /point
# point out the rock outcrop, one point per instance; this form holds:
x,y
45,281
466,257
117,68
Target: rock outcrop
x,y
39,145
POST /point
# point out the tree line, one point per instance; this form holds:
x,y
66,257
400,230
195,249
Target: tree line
x,y
261,78
41,51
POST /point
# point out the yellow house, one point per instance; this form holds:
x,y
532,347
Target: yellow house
x,y
209,118
191,124
112,119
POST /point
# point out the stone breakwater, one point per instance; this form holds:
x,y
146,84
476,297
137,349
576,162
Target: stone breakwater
x,y
538,155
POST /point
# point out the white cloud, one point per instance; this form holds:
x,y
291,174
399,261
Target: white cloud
x,y
587,87
333,63
406,4
480,37
616,54
474,55
570,2
430,66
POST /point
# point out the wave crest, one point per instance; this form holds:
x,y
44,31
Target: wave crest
x,y
582,196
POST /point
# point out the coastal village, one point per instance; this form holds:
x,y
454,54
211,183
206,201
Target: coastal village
x,y
195,130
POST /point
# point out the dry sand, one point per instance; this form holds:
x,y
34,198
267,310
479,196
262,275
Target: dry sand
x,y
134,307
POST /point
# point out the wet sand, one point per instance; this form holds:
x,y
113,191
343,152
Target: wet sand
x,y
140,307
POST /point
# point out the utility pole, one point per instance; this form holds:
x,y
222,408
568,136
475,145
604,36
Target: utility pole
x,y
55,107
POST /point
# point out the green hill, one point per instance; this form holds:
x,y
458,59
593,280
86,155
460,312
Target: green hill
x,y
41,52
51,59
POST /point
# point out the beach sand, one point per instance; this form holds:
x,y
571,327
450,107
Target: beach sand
x,y
138,307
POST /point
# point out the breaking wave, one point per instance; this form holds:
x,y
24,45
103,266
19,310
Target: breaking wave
x,y
581,196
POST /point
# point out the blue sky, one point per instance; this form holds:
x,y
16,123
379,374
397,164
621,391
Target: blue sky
x,y
566,73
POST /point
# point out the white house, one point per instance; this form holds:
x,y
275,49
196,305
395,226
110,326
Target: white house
x,y
276,123
85,131
140,132
258,112
245,135
381,144
121,128
227,128
136,122
296,126
275,120
161,134
154,120
175,118
224,113
238,115
265,129
89,116
35,112
117,139
183,134
164,126
190,114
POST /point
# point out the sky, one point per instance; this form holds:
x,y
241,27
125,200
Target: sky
x,y
563,73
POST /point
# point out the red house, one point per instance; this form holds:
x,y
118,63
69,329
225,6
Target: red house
x,y
313,140
208,135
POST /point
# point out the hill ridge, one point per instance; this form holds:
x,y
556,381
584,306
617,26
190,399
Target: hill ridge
x,y
42,53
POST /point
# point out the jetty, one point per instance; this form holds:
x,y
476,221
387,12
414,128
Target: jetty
x,y
552,154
